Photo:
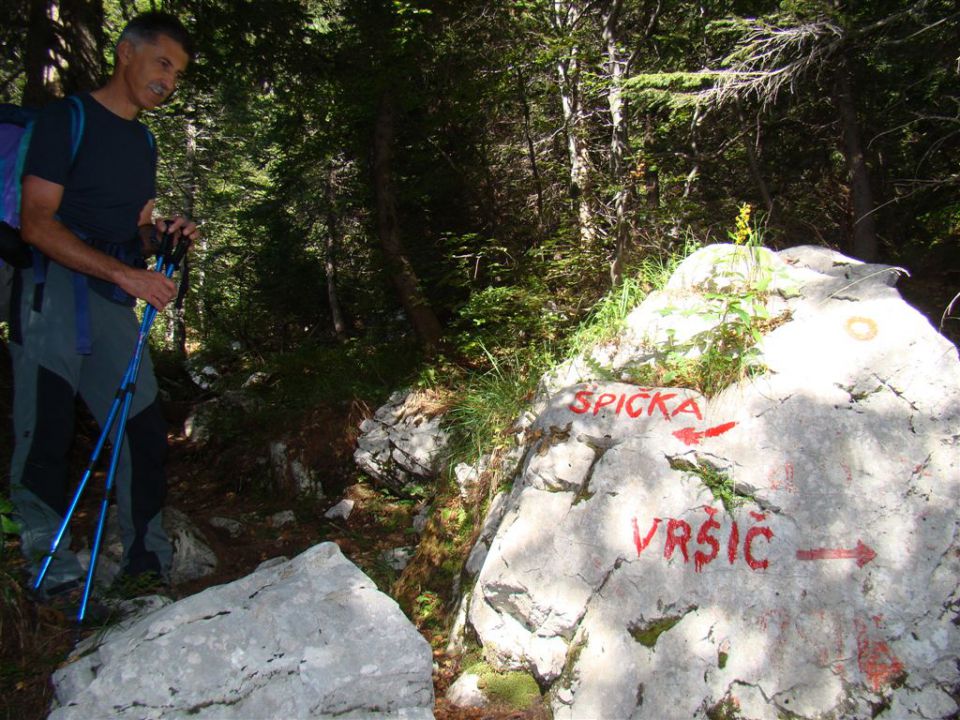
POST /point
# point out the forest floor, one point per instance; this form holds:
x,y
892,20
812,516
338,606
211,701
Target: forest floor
x,y
213,480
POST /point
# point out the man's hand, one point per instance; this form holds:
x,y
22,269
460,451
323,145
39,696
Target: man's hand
x,y
180,227
154,287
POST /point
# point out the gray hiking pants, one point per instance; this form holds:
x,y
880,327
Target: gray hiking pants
x,y
48,374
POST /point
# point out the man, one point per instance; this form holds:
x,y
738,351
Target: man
x,y
90,217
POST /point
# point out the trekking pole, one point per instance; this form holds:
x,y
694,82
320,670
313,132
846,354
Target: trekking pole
x,y
94,457
172,263
121,404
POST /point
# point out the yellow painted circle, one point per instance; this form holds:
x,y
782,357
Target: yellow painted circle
x,y
861,328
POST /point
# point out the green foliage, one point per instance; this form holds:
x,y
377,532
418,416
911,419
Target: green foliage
x,y
428,610
727,709
708,373
719,483
722,659
514,689
647,634
736,313
10,592
497,319
268,141
486,403
667,90
8,526
13,624
605,320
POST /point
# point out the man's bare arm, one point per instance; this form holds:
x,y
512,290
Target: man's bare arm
x,y
40,228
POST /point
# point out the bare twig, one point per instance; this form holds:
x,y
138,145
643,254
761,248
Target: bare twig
x,y
947,313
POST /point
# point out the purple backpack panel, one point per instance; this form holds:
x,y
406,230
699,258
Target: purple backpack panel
x,y
15,126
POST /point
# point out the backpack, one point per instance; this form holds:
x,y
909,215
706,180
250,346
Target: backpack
x,y
16,126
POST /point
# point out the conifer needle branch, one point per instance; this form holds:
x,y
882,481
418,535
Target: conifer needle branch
x,y
771,57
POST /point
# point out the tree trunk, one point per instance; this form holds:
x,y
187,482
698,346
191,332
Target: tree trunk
x,y
565,17
178,322
652,187
861,196
41,39
531,150
333,240
616,70
694,154
64,49
754,163
424,320
83,41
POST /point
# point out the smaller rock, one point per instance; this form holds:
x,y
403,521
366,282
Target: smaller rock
x,y
204,378
467,477
420,519
465,692
197,426
293,472
282,518
258,378
233,527
398,558
192,556
404,438
340,511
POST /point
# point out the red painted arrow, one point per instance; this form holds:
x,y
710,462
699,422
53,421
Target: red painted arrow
x,y
862,553
690,436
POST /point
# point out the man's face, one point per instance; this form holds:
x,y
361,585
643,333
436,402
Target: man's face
x,y
151,70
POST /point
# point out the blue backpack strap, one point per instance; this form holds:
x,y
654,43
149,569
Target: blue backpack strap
x,y
39,278
78,120
81,309
18,168
81,295
81,301
16,322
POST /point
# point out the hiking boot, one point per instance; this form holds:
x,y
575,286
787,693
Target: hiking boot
x,y
66,598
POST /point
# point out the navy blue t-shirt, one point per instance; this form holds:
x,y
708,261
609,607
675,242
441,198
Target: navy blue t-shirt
x,y
110,180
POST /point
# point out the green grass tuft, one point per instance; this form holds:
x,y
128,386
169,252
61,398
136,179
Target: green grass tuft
x,y
515,689
647,634
719,483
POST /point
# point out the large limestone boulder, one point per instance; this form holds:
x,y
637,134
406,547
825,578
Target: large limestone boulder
x,y
309,637
787,548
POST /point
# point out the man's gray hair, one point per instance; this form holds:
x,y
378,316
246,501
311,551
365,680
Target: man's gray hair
x,y
147,26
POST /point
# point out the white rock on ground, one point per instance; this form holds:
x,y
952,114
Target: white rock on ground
x,y
309,637
401,443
